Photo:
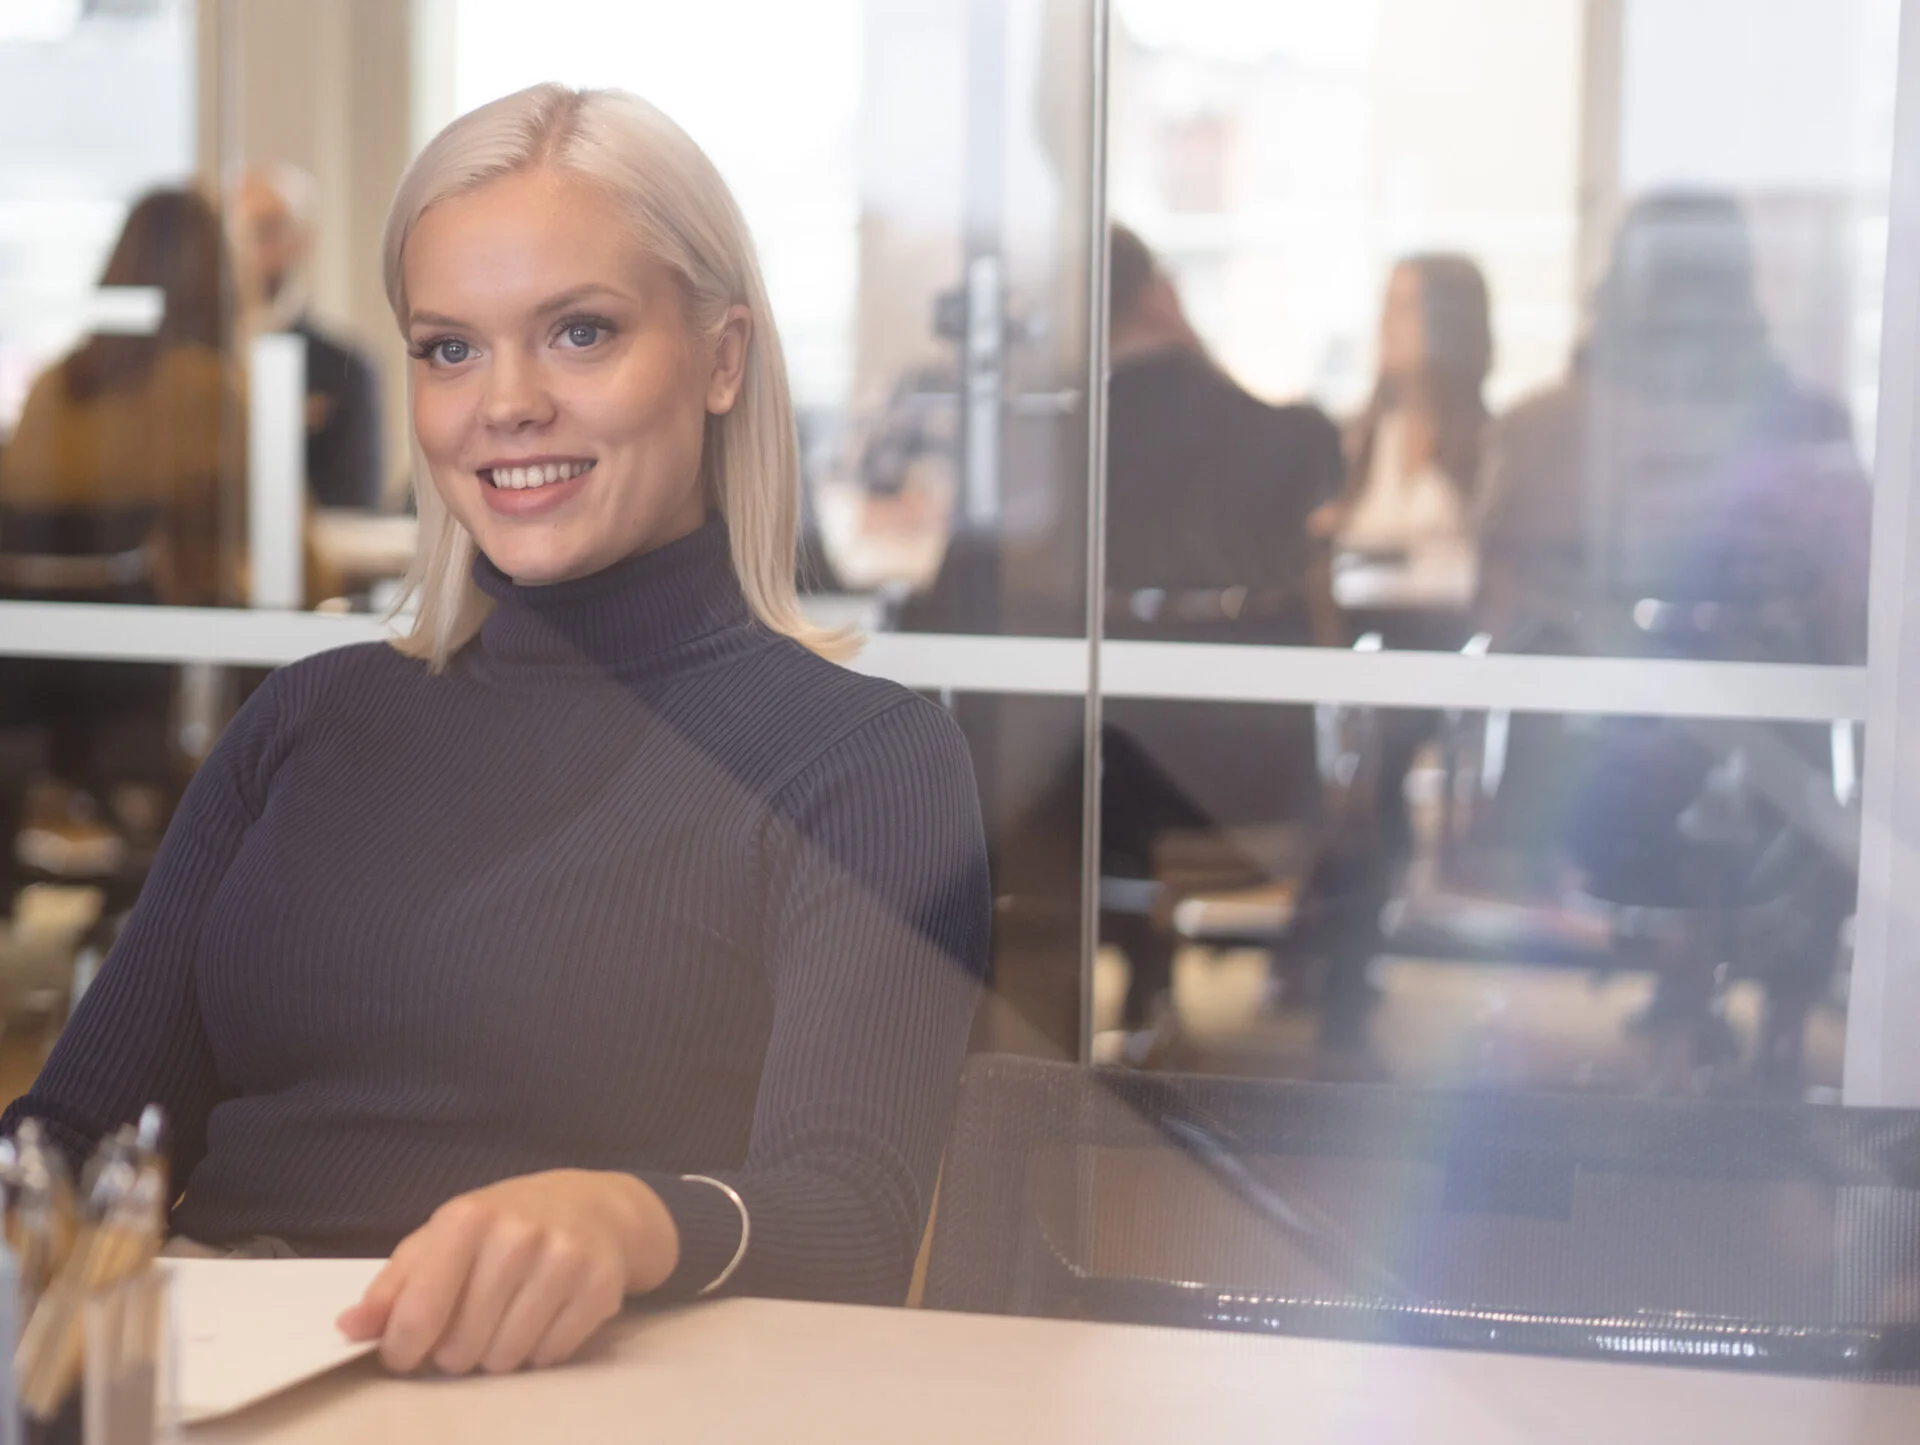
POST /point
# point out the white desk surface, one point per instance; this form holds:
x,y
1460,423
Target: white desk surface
x,y
800,1374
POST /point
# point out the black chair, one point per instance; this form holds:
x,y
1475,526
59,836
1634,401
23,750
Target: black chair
x,y
91,725
1768,1237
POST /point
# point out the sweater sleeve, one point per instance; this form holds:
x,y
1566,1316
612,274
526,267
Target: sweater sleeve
x,y
136,1037
877,916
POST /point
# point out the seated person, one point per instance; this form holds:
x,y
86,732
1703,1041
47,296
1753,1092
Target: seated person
x,y
274,224
1680,462
1208,494
1416,448
1678,495
113,489
601,938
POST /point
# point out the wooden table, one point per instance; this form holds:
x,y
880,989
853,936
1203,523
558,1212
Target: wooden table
x,y
796,1374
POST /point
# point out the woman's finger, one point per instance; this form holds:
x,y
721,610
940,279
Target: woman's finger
x,y
558,1276
506,1259
594,1301
368,1319
442,1259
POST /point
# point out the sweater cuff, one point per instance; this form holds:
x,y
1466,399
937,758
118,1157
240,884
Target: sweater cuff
x,y
709,1226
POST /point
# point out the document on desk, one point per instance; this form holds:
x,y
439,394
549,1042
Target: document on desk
x,y
250,1328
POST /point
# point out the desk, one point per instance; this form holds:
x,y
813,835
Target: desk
x,y
799,1374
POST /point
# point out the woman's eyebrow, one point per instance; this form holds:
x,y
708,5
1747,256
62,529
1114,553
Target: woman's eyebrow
x,y
571,297
575,295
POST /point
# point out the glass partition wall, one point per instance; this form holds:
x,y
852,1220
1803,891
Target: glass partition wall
x,y
1407,502
1468,678
1519,743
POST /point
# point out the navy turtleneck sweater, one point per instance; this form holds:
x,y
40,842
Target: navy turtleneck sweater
x,y
635,885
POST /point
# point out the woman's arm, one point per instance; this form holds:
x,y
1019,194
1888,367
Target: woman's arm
x,y
136,1037
876,925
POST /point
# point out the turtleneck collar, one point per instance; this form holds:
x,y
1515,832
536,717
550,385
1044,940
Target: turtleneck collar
x,y
639,609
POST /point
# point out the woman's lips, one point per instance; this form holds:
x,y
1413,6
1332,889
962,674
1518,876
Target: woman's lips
x,y
524,491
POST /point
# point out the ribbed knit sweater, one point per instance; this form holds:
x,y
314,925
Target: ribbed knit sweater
x,y
636,884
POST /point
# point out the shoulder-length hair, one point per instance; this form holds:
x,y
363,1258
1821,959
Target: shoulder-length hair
x,y
684,217
1456,318
171,242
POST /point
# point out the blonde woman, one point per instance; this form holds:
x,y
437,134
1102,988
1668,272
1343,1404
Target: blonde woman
x,y
602,938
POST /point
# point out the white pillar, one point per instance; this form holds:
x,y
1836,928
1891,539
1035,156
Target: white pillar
x,y
276,469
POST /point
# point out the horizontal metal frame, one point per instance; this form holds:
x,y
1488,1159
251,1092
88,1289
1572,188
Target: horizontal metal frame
x,y
1059,666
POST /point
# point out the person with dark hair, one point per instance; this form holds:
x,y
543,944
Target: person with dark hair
x,y
1208,494
1208,487
1408,509
1402,535
135,439
114,487
1415,449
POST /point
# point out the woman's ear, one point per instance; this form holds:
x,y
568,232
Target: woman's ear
x,y
729,360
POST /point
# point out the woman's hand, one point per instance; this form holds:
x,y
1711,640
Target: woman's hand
x,y
521,1272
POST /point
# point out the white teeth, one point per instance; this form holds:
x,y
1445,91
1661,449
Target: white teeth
x,y
520,478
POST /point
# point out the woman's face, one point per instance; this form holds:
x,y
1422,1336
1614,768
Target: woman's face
x,y
1403,329
558,393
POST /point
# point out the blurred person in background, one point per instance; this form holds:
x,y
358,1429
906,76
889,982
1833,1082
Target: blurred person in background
x,y
1680,494
1415,449
125,463
127,449
1209,491
1409,502
1678,461
1402,538
273,230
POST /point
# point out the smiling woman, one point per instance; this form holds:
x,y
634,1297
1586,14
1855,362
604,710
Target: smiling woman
x,y
592,303
560,438
603,938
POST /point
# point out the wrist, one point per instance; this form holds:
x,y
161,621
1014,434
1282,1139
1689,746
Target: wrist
x,y
649,1239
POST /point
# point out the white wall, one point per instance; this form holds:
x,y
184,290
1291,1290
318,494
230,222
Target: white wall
x,y
71,165
328,87
1772,96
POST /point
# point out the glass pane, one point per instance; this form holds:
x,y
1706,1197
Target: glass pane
x,y
922,217
1529,901
1600,331
197,385
929,201
1580,359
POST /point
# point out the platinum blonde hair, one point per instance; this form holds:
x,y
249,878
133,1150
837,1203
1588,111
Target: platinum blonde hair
x,y
683,216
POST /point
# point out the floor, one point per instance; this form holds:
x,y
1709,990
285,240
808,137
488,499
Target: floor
x,y
36,972
1445,1024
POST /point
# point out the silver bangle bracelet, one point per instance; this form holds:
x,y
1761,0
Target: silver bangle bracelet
x,y
746,1230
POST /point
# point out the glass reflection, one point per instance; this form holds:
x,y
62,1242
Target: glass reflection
x,y
1610,400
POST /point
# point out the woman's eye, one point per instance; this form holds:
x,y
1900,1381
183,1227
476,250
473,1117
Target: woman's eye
x,y
448,351
582,333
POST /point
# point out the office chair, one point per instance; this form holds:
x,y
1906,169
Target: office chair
x,y
91,726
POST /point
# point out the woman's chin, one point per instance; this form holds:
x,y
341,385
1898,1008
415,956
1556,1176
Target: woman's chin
x,y
539,567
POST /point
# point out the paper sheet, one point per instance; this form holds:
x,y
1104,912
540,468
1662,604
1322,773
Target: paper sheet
x,y
249,1328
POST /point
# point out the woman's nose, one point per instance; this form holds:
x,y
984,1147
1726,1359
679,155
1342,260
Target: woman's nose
x,y
516,397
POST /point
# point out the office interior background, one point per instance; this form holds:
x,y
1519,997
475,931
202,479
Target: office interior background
x,y
927,180
1369,850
